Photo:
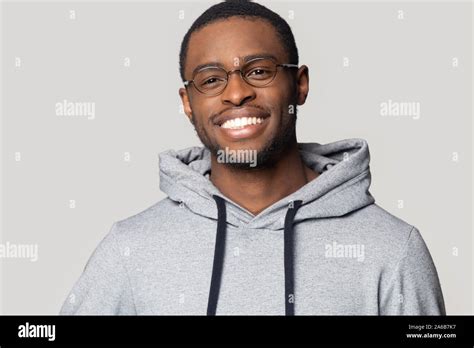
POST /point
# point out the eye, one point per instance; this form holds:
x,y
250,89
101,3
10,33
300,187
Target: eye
x,y
209,81
259,73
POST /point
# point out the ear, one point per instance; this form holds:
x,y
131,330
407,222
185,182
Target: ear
x,y
183,93
302,84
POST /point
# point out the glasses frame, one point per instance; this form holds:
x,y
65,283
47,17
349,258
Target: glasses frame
x,y
284,65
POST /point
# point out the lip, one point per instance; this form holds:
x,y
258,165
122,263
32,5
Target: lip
x,y
246,132
238,113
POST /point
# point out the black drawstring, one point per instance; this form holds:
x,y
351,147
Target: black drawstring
x,y
219,256
289,258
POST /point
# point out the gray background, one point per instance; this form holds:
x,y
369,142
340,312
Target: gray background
x,y
138,111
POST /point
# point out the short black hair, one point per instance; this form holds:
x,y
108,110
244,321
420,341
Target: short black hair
x,y
242,8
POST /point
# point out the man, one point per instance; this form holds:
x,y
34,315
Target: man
x,y
255,222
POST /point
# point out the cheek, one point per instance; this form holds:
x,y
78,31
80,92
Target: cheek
x,y
202,111
277,101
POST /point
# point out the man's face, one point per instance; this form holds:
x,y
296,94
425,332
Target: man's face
x,y
229,42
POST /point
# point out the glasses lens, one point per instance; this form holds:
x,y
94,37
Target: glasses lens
x,y
210,80
260,72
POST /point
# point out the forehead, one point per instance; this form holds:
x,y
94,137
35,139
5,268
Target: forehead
x,y
225,40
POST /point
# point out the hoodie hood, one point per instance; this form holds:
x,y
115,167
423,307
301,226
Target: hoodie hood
x,y
342,186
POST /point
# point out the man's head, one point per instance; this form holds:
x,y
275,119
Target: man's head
x,y
233,35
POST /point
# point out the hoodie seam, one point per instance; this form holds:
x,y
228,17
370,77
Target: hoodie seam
x,y
185,186
115,245
404,254
348,185
329,194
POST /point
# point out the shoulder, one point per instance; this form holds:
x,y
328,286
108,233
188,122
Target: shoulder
x,y
388,236
137,226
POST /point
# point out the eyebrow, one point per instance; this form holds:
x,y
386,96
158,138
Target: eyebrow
x,y
245,59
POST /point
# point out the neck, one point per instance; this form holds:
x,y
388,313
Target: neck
x,y
258,189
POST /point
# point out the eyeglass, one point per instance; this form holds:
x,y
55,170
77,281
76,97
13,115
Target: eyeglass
x,y
258,72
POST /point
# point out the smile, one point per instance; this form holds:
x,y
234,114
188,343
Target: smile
x,y
241,122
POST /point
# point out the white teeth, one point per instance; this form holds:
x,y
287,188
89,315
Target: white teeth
x,y
241,122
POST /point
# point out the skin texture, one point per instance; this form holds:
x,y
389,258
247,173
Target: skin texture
x,y
280,170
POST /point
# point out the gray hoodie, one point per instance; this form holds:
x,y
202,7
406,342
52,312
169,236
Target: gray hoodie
x,y
325,249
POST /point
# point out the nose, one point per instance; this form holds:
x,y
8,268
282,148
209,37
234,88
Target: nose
x,y
237,91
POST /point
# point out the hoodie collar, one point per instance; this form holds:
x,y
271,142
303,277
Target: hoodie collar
x,y
342,186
